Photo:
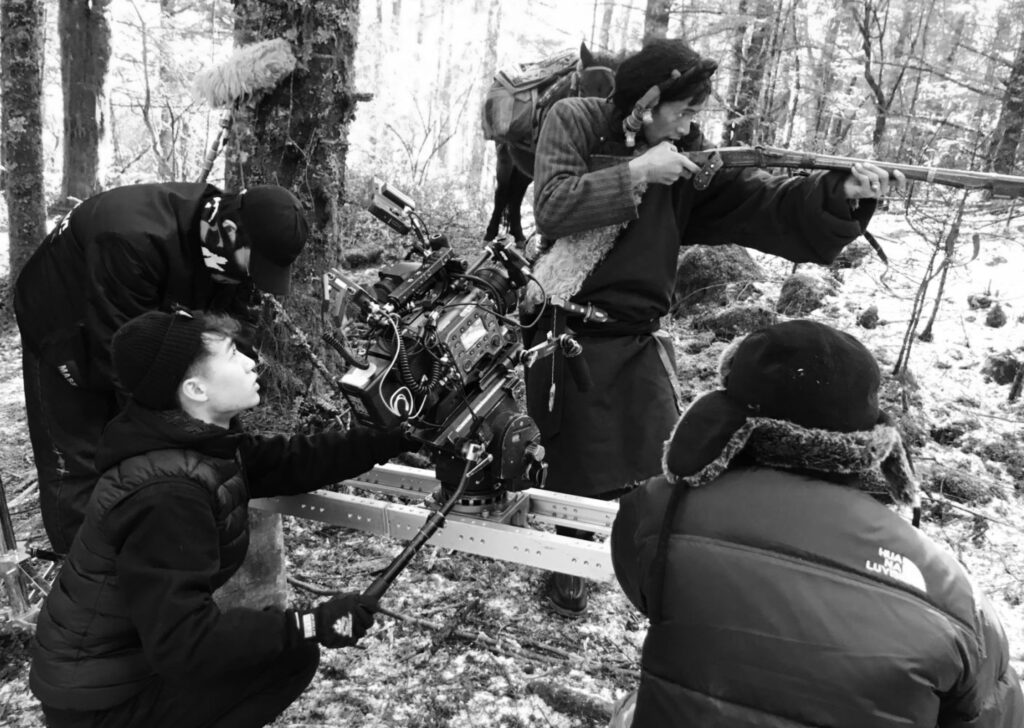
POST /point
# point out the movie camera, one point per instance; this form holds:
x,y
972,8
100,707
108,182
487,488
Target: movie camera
x,y
444,357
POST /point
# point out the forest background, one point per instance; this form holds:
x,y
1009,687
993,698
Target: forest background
x,y
97,94
916,81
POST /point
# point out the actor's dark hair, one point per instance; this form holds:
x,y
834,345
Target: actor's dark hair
x,y
653,66
215,326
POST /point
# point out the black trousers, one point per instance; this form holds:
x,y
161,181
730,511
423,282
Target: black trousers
x,y
242,699
64,425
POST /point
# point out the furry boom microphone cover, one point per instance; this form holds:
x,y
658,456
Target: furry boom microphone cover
x,y
251,68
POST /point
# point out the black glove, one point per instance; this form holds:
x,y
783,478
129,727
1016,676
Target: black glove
x,y
338,622
404,433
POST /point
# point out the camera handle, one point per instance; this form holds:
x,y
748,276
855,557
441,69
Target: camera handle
x,y
571,349
338,289
477,459
515,264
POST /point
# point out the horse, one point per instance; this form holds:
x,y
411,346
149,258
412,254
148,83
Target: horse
x,y
593,76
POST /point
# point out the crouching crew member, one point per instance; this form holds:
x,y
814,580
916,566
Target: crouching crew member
x,y
121,253
781,590
130,634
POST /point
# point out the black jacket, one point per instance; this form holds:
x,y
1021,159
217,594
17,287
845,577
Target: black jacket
x,y
116,255
788,601
167,525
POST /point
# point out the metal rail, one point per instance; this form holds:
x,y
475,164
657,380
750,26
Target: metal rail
x,y
508,533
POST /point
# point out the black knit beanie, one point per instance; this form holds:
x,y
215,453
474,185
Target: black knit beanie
x,y
151,354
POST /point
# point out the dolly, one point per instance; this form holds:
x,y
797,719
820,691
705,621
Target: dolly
x,y
510,530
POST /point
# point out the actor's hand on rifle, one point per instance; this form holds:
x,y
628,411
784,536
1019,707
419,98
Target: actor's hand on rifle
x,y
662,164
867,180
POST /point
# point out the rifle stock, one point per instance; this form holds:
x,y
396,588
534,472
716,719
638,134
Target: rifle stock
x,y
711,160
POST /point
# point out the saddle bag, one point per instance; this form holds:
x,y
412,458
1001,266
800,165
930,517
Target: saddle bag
x,y
514,102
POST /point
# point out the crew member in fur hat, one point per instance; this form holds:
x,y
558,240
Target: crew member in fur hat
x,y
614,200
130,634
116,255
781,588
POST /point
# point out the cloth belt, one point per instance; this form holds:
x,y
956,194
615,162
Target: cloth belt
x,y
581,326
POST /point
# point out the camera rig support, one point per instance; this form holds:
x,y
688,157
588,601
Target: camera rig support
x,y
443,359
512,534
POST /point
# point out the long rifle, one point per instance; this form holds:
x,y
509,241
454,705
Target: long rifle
x,y
712,160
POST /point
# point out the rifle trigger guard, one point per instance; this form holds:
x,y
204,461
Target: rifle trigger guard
x,y
703,178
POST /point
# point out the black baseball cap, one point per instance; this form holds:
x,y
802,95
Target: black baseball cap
x,y
275,227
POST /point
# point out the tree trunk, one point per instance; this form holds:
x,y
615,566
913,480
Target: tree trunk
x,y
825,80
732,93
443,94
656,18
605,35
986,107
743,124
21,127
624,34
85,52
298,138
167,132
867,20
299,133
774,105
885,68
396,16
379,37
490,66
1003,152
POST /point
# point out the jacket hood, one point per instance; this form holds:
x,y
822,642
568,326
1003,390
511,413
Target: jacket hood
x,y
138,430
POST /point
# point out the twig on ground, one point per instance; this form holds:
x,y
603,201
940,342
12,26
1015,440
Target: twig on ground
x,y
312,588
571,701
485,640
986,415
977,514
462,634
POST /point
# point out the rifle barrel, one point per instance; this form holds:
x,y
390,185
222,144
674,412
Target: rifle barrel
x,y
1001,185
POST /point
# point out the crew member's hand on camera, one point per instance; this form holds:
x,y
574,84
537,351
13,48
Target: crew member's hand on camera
x,y
662,164
338,622
409,441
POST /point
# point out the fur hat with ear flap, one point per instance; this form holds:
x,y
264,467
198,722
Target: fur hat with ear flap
x,y
671,66
800,396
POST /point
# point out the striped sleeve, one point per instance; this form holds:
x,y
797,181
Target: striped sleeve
x,y
568,197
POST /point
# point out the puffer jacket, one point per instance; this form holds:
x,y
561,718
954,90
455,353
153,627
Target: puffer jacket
x,y
787,601
167,525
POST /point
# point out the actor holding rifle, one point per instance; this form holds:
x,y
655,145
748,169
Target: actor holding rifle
x,y
615,199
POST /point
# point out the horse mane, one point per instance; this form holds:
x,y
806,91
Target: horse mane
x,y
607,59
